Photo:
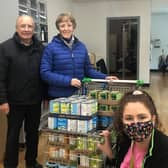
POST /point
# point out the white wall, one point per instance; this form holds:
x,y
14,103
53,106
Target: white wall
x,y
159,28
8,15
54,8
159,5
91,19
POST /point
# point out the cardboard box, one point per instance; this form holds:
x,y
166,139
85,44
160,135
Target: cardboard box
x,y
92,57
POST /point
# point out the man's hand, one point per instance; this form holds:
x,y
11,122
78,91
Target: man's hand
x,y
111,78
4,108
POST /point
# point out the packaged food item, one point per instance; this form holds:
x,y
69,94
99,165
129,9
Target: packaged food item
x,y
62,153
83,97
115,95
72,125
52,122
91,144
103,95
60,139
54,106
76,107
62,124
72,142
94,94
95,161
88,107
114,107
83,126
73,159
53,139
53,152
103,107
65,106
83,160
81,143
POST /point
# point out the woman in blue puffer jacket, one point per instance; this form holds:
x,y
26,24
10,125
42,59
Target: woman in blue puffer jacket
x,y
65,61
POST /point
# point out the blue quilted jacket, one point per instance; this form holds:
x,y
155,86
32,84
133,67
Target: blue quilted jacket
x,y
60,64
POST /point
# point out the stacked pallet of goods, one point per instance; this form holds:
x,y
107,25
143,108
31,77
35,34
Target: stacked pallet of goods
x,y
72,143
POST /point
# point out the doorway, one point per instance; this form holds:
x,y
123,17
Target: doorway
x,y
123,46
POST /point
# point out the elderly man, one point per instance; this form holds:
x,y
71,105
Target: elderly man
x,y
21,91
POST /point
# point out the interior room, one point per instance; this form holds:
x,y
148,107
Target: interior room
x,y
129,35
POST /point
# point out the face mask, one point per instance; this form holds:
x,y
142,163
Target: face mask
x,y
139,131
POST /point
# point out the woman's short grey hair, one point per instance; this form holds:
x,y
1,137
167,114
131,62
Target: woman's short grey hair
x,y
64,17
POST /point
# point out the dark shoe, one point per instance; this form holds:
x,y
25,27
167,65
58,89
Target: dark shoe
x,y
36,165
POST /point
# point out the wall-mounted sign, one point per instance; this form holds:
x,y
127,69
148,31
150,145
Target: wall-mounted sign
x,y
156,43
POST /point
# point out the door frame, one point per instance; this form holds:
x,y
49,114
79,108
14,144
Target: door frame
x,y
108,20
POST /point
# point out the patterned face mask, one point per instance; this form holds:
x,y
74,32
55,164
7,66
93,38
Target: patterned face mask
x,y
138,131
